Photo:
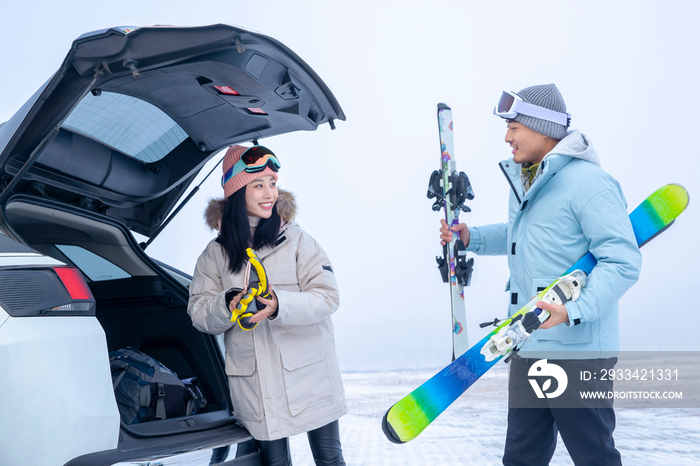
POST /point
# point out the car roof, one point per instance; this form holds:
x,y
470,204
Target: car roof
x,y
133,114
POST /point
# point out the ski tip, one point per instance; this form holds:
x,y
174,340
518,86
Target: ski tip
x,y
389,431
673,192
681,192
442,106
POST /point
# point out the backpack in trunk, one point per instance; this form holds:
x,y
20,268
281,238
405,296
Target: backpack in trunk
x,y
146,390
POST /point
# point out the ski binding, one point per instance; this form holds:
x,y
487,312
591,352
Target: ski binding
x,y
566,288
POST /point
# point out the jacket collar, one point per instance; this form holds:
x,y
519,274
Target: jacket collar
x,y
574,146
549,166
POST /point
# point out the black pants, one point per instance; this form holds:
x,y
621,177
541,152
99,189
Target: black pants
x,y
324,443
586,429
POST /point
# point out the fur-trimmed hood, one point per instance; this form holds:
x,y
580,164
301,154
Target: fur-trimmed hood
x,y
286,206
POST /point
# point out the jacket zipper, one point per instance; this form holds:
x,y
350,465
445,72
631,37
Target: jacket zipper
x,y
510,182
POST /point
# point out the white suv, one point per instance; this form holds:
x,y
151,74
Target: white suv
x,y
108,146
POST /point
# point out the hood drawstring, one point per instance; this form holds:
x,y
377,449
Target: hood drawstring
x,y
247,276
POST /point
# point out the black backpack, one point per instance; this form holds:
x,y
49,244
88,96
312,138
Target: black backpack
x,y
146,390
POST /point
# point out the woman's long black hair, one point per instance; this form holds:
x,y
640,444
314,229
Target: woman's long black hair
x,y
235,234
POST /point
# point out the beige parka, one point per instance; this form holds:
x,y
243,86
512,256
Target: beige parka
x,y
283,375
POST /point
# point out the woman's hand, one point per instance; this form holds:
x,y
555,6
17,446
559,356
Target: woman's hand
x,y
269,309
234,302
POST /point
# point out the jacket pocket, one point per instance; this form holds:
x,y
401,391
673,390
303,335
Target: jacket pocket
x,y
539,284
308,385
306,376
240,363
562,333
281,267
243,386
240,352
566,335
285,280
244,395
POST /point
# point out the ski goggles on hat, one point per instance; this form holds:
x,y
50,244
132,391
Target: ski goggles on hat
x,y
253,160
511,104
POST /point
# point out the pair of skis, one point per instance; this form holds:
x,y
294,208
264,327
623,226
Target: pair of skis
x,y
406,419
450,189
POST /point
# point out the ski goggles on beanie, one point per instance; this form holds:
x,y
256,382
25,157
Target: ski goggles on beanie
x,y
253,160
511,104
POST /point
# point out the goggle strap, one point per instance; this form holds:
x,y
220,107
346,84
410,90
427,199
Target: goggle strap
x,y
240,166
270,163
542,113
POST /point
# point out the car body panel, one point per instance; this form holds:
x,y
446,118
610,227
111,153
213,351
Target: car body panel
x,y
27,260
62,381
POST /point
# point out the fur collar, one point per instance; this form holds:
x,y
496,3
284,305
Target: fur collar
x,y
286,208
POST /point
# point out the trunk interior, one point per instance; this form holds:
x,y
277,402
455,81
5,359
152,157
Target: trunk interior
x,y
139,304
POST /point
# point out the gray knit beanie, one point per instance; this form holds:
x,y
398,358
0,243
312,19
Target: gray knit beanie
x,y
547,96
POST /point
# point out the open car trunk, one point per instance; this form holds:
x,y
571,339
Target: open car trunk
x,y
142,306
109,145
133,114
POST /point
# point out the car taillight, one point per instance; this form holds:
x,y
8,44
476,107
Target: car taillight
x,y
74,282
58,291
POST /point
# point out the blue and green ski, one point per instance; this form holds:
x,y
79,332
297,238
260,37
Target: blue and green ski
x,y
410,416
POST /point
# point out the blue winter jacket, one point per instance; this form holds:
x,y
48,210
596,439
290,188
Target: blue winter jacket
x,y
572,207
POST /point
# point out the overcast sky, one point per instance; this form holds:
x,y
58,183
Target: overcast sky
x,y
628,73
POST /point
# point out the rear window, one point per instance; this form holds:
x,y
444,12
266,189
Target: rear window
x,y
126,124
178,275
94,267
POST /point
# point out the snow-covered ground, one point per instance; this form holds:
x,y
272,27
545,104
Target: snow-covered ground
x,y
472,431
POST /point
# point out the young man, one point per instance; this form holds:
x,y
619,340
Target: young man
x,y
562,205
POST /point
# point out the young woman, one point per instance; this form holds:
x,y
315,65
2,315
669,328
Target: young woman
x,y
283,374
